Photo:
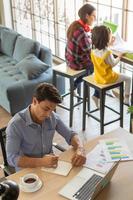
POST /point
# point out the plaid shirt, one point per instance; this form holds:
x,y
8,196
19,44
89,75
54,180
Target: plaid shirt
x,y
77,52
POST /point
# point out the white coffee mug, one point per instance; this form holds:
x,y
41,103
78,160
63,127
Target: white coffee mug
x,y
29,181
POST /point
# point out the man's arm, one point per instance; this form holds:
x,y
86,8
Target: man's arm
x,y
72,138
50,160
47,161
79,157
76,142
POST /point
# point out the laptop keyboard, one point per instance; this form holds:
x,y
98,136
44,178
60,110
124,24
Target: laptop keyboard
x,y
86,191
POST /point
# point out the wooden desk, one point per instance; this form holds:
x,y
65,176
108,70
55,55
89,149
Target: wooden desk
x,y
120,188
124,59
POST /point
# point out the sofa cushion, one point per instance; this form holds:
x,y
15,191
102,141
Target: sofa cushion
x,y
8,39
32,67
4,59
25,46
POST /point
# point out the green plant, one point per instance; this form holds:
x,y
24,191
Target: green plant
x,y
130,109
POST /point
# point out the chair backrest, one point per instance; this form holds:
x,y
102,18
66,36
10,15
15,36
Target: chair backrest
x,y
5,166
2,142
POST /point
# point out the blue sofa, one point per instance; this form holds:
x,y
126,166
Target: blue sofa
x,y
24,63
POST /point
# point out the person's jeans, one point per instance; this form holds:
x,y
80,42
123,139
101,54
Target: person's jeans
x,y
79,80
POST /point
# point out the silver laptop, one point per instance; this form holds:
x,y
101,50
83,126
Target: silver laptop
x,y
87,184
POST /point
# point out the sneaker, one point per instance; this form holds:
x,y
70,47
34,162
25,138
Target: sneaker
x,y
96,101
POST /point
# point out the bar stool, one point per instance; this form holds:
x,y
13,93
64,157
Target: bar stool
x,y
67,72
90,82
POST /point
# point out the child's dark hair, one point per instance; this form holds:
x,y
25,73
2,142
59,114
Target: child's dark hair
x,y
46,91
100,37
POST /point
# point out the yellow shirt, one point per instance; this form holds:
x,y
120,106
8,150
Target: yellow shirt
x,y
103,73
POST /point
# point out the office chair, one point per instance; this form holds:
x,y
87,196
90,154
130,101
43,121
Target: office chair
x,y
5,166
59,147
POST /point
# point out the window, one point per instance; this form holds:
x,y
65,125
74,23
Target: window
x,y
47,20
129,21
22,17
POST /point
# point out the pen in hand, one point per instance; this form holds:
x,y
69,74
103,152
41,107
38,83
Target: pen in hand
x,y
51,160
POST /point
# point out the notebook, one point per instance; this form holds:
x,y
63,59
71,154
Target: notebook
x,y
87,184
63,168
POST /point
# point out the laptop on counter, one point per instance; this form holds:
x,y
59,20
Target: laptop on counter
x,y
87,184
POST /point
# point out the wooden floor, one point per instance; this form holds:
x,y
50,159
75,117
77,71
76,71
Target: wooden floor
x,y
92,126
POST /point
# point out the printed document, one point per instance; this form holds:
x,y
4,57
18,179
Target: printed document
x,y
96,160
121,46
115,149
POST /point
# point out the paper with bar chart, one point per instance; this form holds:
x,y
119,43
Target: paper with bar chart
x,y
115,149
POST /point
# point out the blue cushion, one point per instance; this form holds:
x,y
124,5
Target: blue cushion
x,y
8,39
32,67
25,46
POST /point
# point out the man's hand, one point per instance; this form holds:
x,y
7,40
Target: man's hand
x,y
79,157
50,160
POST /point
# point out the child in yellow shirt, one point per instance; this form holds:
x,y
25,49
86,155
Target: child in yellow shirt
x,y
104,61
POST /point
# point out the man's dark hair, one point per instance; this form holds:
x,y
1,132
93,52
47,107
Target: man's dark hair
x,y
100,37
46,91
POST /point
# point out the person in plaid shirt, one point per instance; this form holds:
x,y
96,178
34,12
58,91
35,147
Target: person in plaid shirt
x,y
78,47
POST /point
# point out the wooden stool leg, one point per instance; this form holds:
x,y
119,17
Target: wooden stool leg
x,y
79,91
88,97
121,104
71,101
131,115
102,103
131,118
85,89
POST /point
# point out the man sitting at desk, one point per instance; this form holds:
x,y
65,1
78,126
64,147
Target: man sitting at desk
x,y
30,133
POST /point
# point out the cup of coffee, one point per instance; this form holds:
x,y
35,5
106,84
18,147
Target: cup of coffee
x,y
29,181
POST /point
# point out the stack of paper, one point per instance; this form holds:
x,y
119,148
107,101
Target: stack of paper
x,y
115,149
102,157
121,46
96,160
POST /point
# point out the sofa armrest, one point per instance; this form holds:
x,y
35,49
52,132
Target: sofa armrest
x,y
45,55
16,97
